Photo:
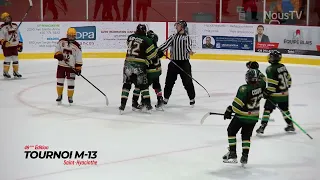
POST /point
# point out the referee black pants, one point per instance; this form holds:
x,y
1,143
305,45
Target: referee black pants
x,y
172,75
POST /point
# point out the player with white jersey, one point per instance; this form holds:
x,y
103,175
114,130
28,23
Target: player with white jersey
x,y
11,44
69,54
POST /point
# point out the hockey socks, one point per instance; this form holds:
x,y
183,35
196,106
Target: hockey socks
x,y
15,66
158,92
60,84
6,67
286,115
136,94
232,143
245,146
124,96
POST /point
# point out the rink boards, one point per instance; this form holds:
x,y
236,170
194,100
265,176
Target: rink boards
x,y
292,59
227,41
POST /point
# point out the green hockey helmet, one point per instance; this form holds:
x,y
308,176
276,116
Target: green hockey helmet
x,y
153,36
252,76
274,57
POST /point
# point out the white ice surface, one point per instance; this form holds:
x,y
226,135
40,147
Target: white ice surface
x,y
168,145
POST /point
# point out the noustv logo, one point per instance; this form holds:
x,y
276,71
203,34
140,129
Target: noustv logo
x,y
86,33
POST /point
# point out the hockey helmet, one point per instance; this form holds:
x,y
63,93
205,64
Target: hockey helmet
x,y
141,29
71,34
274,57
153,36
5,17
183,25
252,76
252,65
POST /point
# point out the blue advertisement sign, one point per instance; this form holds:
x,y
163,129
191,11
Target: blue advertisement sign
x,y
86,33
228,42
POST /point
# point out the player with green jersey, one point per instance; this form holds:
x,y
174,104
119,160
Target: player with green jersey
x,y
245,104
153,74
277,93
255,65
140,53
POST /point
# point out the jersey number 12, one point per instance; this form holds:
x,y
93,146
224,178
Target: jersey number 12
x,y
133,48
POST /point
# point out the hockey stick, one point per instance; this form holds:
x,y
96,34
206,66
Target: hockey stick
x,y
221,114
188,75
30,6
291,119
107,101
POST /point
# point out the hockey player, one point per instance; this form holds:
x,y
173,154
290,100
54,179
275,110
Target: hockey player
x,y
245,104
69,54
277,93
153,74
255,65
140,53
11,45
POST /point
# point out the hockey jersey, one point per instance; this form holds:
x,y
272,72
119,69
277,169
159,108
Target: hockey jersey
x,y
247,101
10,33
279,82
71,51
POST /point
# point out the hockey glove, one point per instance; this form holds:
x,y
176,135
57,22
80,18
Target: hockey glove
x,y
59,56
228,113
5,44
160,54
20,47
78,72
266,93
78,69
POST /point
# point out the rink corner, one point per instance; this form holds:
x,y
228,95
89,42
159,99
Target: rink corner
x,y
303,60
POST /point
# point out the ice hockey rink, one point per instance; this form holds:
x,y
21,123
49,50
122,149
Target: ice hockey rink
x,y
168,145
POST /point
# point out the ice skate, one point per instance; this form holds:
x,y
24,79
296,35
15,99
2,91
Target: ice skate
x,y
146,108
230,157
260,130
192,102
121,108
17,75
70,100
6,75
165,101
159,105
136,106
244,160
289,128
59,100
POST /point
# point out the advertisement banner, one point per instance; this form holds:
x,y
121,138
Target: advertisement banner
x,y
299,40
92,36
228,36
227,42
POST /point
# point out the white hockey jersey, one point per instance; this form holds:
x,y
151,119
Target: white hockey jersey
x,y
10,33
71,51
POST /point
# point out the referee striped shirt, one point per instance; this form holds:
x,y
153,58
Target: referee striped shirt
x,y
180,47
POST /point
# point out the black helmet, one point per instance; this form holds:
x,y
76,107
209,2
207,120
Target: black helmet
x,y
182,23
252,65
141,29
153,36
252,76
274,57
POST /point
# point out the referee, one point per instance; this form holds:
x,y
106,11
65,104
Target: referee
x,y
180,50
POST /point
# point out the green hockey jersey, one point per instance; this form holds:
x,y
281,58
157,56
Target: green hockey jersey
x,y
140,49
247,101
279,81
